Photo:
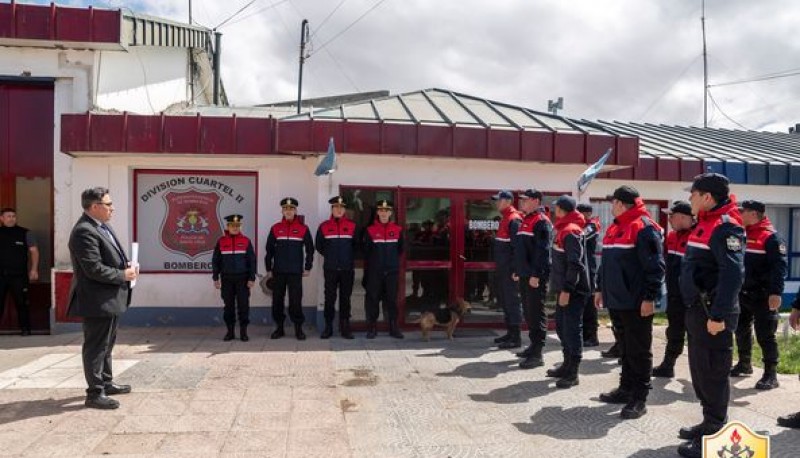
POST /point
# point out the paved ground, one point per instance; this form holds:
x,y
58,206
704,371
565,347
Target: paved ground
x,y
197,396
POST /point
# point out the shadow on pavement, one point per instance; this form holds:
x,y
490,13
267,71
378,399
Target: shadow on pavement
x,y
574,423
22,410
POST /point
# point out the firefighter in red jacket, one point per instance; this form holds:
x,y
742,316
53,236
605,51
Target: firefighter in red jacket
x,y
681,220
285,262
765,267
629,281
233,267
335,241
712,273
506,289
383,247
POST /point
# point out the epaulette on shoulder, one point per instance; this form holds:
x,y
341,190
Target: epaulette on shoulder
x,y
726,218
646,221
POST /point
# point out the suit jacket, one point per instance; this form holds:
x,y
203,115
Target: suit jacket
x,y
98,286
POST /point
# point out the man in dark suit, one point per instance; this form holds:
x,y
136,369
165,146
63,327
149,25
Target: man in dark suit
x,y
100,292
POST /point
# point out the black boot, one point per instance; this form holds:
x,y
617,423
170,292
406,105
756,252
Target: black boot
x,y
278,332
526,352
243,333
344,329
372,331
742,369
298,332
667,367
790,421
230,335
770,378
559,371
570,377
328,331
617,396
514,341
635,408
503,338
612,352
394,330
533,359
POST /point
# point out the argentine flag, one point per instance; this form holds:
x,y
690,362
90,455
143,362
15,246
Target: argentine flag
x,y
328,163
586,177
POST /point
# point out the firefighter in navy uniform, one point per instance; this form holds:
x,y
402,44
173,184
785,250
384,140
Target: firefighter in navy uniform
x,y
287,241
335,241
19,265
628,283
532,254
712,273
570,278
383,247
591,235
793,420
681,221
233,267
765,267
506,289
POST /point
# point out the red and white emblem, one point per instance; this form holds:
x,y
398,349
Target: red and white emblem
x,y
191,225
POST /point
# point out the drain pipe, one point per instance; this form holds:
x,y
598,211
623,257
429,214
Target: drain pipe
x,y
217,52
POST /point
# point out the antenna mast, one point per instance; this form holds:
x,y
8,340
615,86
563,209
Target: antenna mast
x,y
705,66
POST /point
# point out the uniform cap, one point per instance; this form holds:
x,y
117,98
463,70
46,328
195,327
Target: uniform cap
x,y
234,219
625,194
531,194
504,194
289,202
679,206
753,205
566,203
713,183
585,208
337,200
384,204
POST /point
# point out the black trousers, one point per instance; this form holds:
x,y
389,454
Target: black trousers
x,y
755,310
508,296
569,321
381,287
676,327
636,346
294,283
616,325
235,293
590,324
99,336
533,307
17,285
340,281
710,359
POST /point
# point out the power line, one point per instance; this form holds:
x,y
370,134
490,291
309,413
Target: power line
x,y
327,17
379,3
247,5
714,101
669,88
793,72
259,11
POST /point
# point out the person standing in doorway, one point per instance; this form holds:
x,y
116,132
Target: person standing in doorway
x,y
335,241
506,288
233,267
288,241
383,248
100,292
19,266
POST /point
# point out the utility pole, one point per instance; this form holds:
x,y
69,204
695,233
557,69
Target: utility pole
x,y
190,12
705,66
303,40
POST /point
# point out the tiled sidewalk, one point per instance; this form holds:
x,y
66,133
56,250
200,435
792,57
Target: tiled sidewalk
x,y
197,396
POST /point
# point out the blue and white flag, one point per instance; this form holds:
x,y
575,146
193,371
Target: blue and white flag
x,y
587,176
328,163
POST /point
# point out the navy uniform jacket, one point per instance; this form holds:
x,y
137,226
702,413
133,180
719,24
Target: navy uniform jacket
x,y
765,264
632,263
532,246
383,246
285,245
569,271
233,255
510,221
714,263
676,249
336,241
591,235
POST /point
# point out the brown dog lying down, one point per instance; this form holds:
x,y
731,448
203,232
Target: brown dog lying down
x,y
446,318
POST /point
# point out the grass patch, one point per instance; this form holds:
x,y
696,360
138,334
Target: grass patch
x,y
659,319
788,349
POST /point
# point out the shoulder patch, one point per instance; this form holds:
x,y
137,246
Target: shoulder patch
x,y
734,243
782,248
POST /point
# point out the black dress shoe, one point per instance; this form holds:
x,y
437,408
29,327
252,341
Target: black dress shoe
x,y
502,338
635,408
298,332
691,449
526,352
768,381
277,333
790,421
327,332
531,361
229,336
612,352
664,371
690,432
101,402
618,396
742,370
117,389
591,342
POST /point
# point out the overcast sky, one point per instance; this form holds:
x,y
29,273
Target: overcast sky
x,y
627,60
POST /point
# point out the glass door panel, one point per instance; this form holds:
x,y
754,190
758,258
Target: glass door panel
x,y
480,223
